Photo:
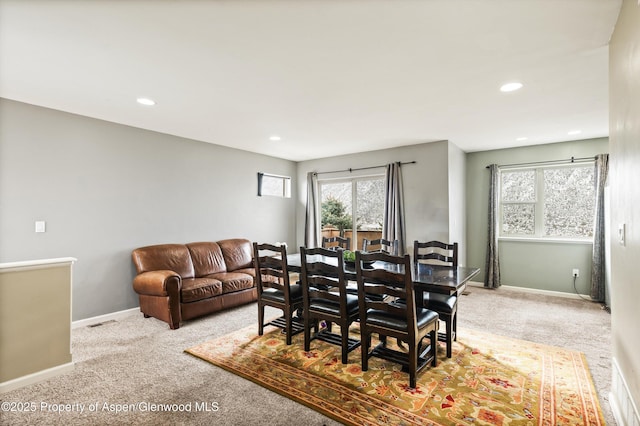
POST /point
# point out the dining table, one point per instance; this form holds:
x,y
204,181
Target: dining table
x,y
425,277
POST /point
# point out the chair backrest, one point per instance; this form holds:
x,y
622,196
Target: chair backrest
x,y
270,262
323,277
394,281
436,253
336,242
382,245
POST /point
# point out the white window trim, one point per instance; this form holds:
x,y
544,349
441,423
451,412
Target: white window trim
x,y
554,240
286,185
344,179
539,237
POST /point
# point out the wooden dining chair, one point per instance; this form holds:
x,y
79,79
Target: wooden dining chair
x,y
439,253
336,242
387,318
380,244
325,298
275,289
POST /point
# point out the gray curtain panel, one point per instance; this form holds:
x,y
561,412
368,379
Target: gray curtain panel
x,y
492,262
599,243
312,220
393,226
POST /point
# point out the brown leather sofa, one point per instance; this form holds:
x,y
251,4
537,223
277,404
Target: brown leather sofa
x,y
178,282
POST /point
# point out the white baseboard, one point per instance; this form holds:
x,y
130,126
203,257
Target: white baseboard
x,y
30,379
623,407
536,290
103,318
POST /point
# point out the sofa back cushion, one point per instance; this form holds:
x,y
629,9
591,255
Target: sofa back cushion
x,y
207,258
237,253
173,257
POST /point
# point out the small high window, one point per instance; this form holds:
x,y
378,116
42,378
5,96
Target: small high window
x,y
274,185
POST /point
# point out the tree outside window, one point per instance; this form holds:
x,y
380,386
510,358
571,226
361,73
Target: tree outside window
x,y
334,214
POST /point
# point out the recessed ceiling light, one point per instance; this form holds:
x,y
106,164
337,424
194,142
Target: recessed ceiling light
x,y
574,132
274,138
521,139
146,101
510,87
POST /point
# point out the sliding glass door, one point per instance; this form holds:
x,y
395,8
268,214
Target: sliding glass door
x,y
348,202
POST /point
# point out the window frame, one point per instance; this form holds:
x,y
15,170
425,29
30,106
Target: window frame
x,y
286,185
347,179
539,220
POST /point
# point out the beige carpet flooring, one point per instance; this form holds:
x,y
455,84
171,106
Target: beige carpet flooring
x,y
134,363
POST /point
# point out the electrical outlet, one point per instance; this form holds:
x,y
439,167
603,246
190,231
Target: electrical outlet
x,y
576,273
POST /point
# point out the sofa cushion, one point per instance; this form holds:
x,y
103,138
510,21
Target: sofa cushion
x,y
207,258
249,271
172,257
237,252
233,281
194,289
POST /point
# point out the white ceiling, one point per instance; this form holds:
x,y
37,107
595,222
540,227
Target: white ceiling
x,y
330,77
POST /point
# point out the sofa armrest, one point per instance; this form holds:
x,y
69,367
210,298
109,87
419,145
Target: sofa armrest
x,y
158,283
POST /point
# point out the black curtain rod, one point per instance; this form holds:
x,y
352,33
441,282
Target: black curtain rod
x,y
569,160
361,168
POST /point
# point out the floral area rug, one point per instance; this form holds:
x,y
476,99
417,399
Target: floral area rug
x,y
490,380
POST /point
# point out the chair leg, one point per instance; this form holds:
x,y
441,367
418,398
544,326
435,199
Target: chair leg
x,y
344,329
307,332
289,326
260,319
448,320
365,343
455,326
434,347
413,363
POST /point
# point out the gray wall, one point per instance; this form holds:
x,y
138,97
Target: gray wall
x,y
457,201
624,181
104,189
544,266
426,186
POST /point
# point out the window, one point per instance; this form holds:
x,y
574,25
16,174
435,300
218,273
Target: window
x,y
548,202
274,185
348,201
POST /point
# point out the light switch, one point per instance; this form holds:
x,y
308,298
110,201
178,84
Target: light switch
x,y
40,226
